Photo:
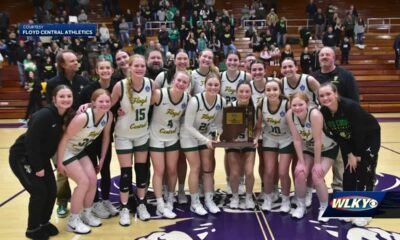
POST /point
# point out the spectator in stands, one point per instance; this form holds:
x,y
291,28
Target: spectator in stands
x,y
114,44
345,48
104,33
29,66
287,53
190,47
315,59
256,43
272,19
139,47
35,95
281,30
124,32
250,29
83,17
265,55
49,70
337,29
245,14
227,40
359,29
349,23
139,21
319,21
173,35
305,35
129,18
396,48
215,45
68,66
202,42
305,61
161,14
311,9
106,6
163,38
353,11
21,54
116,21
184,28
139,35
329,39
4,24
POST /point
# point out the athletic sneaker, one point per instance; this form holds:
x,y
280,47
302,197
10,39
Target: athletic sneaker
x,y
169,205
300,210
361,221
285,206
100,210
50,229
62,211
234,204
267,204
165,212
249,202
198,209
142,212
261,197
88,218
76,225
321,212
110,208
309,197
275,195
124,217
182,198
212,207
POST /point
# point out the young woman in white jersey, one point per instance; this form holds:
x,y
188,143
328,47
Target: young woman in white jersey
x,y
257,70
169,106
134,94
229,81
235,156
277,141
163,80
315,152
294,82
72,159
206,65
203,116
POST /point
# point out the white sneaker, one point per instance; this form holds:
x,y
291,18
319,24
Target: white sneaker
x,y
142,212
285,206
361,221
321,212
110,208
309,197
100,210
299,212
293,200
124,217
182,198
228,188
198,209
346,219
212,207
234,204
89,219
169,205
261,197
267,204
249,202
165,212
76,225
275,195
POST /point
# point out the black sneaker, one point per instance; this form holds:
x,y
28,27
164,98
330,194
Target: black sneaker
x,y
37,234
50,229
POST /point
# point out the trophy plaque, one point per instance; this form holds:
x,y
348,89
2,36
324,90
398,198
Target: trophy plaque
x,y
237,128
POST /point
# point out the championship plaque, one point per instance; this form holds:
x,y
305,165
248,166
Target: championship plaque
x,y
237,128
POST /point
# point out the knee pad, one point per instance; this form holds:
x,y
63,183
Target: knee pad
x,y
125,180
141,174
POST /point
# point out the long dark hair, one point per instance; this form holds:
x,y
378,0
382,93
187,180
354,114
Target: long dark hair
x,y
69,113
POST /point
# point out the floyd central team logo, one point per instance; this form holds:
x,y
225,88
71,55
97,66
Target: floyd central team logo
x,y
354,203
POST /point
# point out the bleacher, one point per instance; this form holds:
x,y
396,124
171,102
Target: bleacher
x,y
373,67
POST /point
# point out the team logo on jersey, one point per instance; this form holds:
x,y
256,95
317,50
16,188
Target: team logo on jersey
x,y
302,87
282,114
208,117
218,107
308,125
147,88
103,123
138,100
230,90
173,113
184,106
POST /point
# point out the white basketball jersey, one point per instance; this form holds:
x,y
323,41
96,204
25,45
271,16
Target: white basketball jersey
x,y
88,133
274,123
135,104
228,86
302,86
305,132
165,123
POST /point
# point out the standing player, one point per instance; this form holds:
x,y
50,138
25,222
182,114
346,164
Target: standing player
x,y
277,141
206,65
170,104
203,116
134,94
72,159
315,152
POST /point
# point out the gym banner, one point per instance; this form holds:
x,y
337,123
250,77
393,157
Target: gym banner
x,y
58,30
364,204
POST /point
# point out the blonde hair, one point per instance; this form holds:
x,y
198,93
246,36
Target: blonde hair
x,y
99,92
300,95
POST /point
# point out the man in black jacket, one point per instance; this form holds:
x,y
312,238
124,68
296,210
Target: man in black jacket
x,y
67,66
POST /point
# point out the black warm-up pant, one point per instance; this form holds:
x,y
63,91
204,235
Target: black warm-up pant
x,y
363,179
42,190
